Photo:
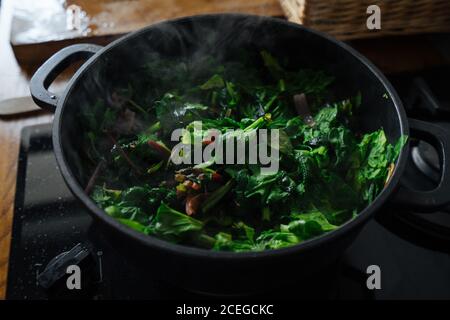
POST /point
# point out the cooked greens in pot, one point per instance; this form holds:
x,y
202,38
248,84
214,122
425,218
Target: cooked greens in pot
x,y
328,171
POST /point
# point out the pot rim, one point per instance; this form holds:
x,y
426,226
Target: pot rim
x,y
159,244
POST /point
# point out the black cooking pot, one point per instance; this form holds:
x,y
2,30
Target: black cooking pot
x,y
221,35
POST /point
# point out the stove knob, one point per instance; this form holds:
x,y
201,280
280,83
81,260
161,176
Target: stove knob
x,y
72,274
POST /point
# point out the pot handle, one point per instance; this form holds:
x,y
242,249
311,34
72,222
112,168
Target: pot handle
x,y
48,72
432,200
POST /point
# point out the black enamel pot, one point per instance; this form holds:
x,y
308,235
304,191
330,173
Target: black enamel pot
x,y
224,272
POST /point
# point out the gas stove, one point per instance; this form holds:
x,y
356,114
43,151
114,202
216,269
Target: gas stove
x,y
51,230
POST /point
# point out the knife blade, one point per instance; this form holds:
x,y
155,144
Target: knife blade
x,y
12,106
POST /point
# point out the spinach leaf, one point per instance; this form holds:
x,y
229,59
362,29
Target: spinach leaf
x,y
224,242
174,225
134,225
216,81
308,225
173,112
275,240
328,171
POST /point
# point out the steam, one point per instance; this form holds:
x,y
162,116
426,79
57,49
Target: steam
x,y
126,68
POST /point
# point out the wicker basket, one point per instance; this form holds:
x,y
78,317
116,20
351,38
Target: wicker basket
x,y
346,19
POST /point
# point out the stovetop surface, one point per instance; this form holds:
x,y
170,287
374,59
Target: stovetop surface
x,y
411,250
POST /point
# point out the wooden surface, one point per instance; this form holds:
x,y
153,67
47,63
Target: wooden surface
x,y
392,55
40,27
13,82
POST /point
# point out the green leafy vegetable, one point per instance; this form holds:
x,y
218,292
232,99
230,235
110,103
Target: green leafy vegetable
x,y
174,225
328,170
